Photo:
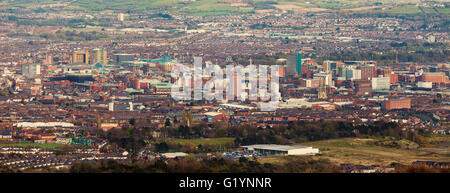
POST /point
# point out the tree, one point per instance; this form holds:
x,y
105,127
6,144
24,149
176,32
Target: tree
x,y
132,121
99,122
161,147
167,123
186,119
219,132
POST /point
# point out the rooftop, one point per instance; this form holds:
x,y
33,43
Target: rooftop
x,y
275,147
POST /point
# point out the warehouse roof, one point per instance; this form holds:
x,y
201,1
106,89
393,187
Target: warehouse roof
x,y
275,147
43,124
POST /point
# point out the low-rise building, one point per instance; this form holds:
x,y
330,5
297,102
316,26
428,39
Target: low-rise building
x,y
272,149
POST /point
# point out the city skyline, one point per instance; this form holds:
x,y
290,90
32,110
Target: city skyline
x,y
224,86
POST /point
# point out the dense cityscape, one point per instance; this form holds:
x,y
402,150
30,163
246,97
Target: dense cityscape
x,y
364,88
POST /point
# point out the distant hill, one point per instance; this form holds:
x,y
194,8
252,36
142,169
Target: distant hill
x,y
222,7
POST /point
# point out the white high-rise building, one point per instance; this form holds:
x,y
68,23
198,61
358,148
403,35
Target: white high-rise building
x,y
327,76
121,17
353,74
31,70
381,83
349,72
131,106
111,106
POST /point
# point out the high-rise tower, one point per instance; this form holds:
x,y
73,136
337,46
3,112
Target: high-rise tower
x,y
322,89
298,63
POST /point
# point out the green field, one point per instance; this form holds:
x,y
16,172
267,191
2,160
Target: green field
x,y
41,145
124,4
409,9
202,141
225,7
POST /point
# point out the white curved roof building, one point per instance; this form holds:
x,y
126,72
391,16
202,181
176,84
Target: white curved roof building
x,y
43,124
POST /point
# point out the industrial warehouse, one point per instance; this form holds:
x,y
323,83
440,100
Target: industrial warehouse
x,y
272,149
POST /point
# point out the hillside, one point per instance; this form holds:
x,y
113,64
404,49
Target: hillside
x,y
223,7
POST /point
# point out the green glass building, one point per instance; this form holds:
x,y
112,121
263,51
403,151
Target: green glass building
x,y
298,62
82,141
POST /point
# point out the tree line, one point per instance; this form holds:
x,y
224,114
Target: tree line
x,y
134,138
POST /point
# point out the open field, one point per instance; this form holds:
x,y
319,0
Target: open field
x,y
406,9
363,8
224,7
125,5
437,138
363,152
210,141
210,8
41,145
297,8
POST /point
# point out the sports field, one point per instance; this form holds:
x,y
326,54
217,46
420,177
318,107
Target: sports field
x,y
202,141
41,145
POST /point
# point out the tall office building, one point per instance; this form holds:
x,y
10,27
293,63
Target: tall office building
x,y
98,55
290,66
381,83
327,76
363,86
353,74
80,57
298,63
368,72
121,17
322,94
118,58
294,64
31,70
332,66
48,59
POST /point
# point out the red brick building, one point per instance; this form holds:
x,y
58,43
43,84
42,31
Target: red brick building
x,y
437,77
47,136
394,78
363,86
396,104
368,72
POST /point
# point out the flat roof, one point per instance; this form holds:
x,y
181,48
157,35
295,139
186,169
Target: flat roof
x,y
213,113
275,147
227,105
174,154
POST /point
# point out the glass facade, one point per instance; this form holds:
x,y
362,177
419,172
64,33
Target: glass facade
x,y
298,65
